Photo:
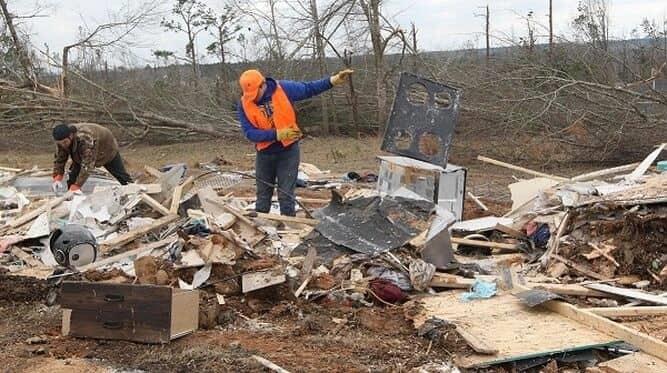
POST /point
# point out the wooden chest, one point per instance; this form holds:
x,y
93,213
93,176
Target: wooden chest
x,y
141,313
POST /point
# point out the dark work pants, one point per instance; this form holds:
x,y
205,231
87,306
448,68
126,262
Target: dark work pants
x,y
283,167
115,168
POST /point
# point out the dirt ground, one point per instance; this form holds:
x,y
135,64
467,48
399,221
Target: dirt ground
x,y
303,337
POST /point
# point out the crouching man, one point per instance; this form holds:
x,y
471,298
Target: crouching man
x,y
89,145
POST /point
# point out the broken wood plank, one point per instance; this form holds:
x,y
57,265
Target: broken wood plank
x,y
178,193
475,342
629,293
629,311
152,171
493,245
27,258
553,248
234,212
477,201
522,169
604,254
635,362
134,234
608,171
303,285
155,205
636,338
510,231
288,219
19,221
579,268
268,364
259,280
568,289
128,254
10,169
645,164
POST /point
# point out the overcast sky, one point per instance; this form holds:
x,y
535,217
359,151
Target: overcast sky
x,y
441,24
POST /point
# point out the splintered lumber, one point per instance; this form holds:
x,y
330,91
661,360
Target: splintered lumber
x,y
629,293
155,205
635,362
605,172
477,201
645,164
178,193
234,212
444,280
134,234
288,219
634,337
27,258
19,221
493,245
522,169
268,364
579,268
629,311
128,254
505,324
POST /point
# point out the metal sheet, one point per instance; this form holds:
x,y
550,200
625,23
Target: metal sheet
x,y
374,225
422,119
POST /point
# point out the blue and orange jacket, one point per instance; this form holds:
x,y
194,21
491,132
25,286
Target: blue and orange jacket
x,y
295,91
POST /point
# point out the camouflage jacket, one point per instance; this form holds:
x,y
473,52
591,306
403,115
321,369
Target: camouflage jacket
x,y
93,146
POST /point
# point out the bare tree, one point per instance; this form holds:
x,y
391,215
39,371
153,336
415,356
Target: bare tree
x,y
225,26
191,18
105,35
593,22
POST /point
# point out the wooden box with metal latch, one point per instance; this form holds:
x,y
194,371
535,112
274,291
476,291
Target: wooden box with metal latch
x,y
140,313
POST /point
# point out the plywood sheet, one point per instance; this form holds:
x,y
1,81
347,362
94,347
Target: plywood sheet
x,y
507,325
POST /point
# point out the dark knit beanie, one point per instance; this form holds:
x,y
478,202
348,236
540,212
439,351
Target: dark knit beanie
x,y
61,131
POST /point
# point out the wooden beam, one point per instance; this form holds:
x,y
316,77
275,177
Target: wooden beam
x,y
269,365
510,231
10,169
234,212
553,248
605,172
134,234
493,245
568,289
477,201
27,258
152,171
19,221
288,219
178,193
629,293
274,199
155,205
128,254
646,343
579,268
522,169
629,311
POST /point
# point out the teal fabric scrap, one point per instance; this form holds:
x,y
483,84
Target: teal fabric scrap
x,y
480,290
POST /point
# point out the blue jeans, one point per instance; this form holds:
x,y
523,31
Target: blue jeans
x,y
281,166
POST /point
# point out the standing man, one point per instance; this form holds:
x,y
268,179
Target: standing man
x,y
268,119
90,145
